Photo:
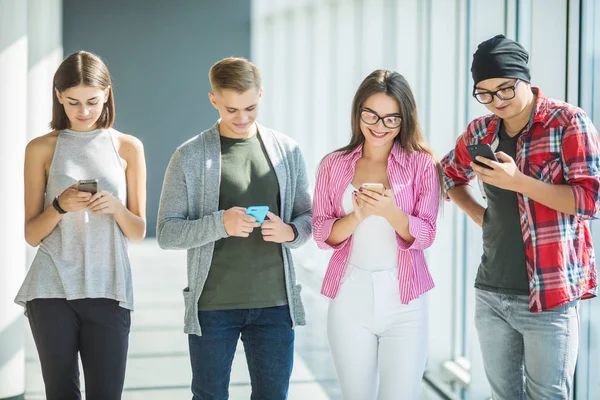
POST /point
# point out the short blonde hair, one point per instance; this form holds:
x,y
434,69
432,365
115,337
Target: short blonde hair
x,y
234,73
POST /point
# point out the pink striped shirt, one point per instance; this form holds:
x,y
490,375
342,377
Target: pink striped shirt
x,y
414,181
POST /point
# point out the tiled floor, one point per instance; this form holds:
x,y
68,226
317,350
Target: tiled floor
x,y
158,365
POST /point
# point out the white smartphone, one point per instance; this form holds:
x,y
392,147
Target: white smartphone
x,y
374,187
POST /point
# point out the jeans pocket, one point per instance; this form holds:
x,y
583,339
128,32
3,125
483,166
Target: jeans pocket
x,y
567,309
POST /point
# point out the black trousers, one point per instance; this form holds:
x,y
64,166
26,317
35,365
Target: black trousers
x,y
97,330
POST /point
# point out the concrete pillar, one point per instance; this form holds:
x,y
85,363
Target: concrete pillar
x,y
13,132
45,53
30,51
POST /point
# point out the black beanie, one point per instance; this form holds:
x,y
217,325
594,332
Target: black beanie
x,y
500,57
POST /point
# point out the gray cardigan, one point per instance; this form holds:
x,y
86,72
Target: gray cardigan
x,y
189,216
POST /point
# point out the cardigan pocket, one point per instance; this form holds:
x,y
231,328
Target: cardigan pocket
x,y
187,300
298,307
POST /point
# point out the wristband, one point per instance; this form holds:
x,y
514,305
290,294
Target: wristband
x,y
295,231
57,206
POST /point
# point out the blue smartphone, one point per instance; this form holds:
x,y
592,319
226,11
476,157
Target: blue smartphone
x,y
258,212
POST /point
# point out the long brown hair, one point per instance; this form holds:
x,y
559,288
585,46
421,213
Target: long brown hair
x,y
82,68
394,85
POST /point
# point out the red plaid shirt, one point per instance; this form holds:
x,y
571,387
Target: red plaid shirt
x,y
560,145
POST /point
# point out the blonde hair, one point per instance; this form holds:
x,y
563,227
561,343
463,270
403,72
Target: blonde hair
x,y
234,73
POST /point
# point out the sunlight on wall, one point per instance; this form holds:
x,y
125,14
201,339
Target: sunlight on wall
x,y
39,98
13,117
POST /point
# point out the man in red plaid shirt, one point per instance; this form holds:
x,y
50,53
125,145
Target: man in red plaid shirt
x,y
538,260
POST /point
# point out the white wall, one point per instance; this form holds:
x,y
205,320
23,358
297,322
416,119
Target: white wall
x,y
30,36
13,106
589,98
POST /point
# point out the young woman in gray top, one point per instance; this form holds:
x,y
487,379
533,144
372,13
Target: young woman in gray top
x,y
78,292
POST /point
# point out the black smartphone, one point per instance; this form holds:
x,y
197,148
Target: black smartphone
x,y
88,185
482,150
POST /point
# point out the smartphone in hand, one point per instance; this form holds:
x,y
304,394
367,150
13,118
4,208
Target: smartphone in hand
x,y
258,212
483,150
374,187
88,185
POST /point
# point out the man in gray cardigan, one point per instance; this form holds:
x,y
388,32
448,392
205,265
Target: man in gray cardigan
x,y
241,278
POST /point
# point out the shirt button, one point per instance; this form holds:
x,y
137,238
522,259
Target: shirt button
x,y
544,162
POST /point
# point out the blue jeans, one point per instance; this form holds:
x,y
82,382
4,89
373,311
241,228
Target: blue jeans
x,y
527,355
268,340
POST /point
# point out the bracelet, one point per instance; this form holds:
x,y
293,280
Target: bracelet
x,y
295,231
57,206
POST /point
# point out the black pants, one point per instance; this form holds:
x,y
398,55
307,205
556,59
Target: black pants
x,y
97,329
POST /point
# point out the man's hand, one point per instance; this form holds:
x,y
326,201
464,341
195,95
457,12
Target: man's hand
x,y
238,223
504,174
275,230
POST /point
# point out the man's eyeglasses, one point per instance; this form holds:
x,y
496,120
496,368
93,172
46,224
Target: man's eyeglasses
x,y
371,118
506,93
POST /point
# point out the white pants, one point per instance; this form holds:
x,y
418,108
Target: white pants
x,y
379,345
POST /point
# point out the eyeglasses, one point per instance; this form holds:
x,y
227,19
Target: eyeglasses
x,y
506,93
389,121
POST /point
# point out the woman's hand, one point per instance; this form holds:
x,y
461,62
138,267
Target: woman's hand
x,y
72,200
105,203
360,212
373,203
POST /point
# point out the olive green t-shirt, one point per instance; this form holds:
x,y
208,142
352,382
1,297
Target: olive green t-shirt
x,y
503,266
245,272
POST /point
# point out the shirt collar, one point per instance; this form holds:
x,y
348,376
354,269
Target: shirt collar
x,y
540,113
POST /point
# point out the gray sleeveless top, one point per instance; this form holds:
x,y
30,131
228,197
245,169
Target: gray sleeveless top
x,y
86,255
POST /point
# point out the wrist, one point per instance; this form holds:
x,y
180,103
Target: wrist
x,y
521,182
122,209
294,232
57,206
393,213
355,218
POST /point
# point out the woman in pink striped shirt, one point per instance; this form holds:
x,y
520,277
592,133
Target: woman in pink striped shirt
x,y
377,276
